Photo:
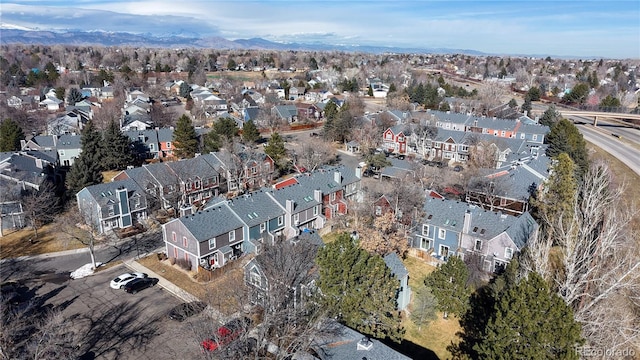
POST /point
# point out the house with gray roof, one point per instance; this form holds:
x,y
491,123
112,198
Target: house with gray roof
x,y
302,208
12,215
209,238
453,228
337,185
145,143
27,168
117,204
399,271
67,147
344,343
285,112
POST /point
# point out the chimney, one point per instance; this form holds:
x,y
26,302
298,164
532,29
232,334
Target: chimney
x,y
337,177
364,344
466,225
290,204
317,195
55,140
359,172
39,163
23,144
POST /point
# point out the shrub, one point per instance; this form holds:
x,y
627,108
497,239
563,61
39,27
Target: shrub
x,y
184,264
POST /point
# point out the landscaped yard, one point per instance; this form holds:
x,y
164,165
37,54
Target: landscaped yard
x,y
50,239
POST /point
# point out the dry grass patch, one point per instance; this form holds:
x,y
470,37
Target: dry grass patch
x,y
331,237
226,292
50,239
436,336
418,270
108,175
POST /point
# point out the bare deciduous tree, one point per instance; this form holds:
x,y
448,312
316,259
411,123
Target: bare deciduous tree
x,y
81,224
384,237
315,153
594,266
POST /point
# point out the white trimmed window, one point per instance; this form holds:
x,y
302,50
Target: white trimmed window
x,y
185,242
315,210
478,245
232,236
212,244
280,220
508,253
425,230
263,227
174,238
442,233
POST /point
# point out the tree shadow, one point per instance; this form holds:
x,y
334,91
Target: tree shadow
x,y
115,331
411,350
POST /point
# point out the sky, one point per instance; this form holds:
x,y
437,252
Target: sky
x,y
580,28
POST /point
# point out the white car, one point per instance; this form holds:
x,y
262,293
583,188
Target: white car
x,y
122,280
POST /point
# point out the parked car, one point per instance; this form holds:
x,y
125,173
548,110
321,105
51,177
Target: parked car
x,y
313,134
226,334
186,310
457,168
138,284
122,280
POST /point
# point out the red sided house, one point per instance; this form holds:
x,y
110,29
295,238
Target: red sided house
x,y
394,139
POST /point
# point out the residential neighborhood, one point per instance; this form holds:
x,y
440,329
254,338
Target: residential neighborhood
x,y
314,205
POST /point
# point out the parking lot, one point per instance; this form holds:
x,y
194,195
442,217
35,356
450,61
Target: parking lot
x,y
117,325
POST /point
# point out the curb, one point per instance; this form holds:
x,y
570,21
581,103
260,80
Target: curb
x,y
164,283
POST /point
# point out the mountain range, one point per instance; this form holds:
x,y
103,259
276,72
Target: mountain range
x,y
105,38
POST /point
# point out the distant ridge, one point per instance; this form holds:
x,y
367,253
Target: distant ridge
x,y
104,38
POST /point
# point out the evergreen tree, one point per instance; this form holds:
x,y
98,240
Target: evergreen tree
x,y
526,105
313,64
185,138
75,96
370,91
358,289
578,94
212,142
550,116
392,88
534,94
10,135
529,322
565,137
330,115
610,102
250,133
275,149
449,285
226,127
87,168
512,103
560,191
118,154
59,91
185,90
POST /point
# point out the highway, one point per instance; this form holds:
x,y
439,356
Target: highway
x,y
627,154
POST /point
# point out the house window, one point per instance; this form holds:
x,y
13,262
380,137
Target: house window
x,y
296,218
498,266
534,137
478,245
151,147
263,227
168,144
508,253
389,136
425,244
175,252
522,136
174,238
256,279
280,220
333,196
425,230
315,210
444,251
503,133
378,210
232,236
254,170
185,242
197,183
111,211
212,244
495,133
441,233
400,138
61,152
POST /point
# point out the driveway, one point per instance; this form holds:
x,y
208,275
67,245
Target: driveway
x,y
114,324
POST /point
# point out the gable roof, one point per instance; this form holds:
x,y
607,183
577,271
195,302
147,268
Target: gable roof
x,y
106,192
211,222
255,208
303,197
395,265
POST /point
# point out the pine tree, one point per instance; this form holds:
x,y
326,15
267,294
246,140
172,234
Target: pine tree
x,y
560,191
565,137
226,127
212,142
449,285
185,89
526,105
10,135
185,138
75,96
550,116
358,289
275,149
87,168
392,88
250,133
529,322
370,91
118,153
